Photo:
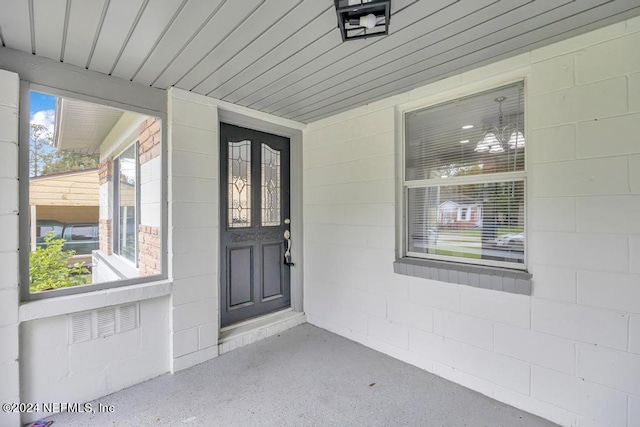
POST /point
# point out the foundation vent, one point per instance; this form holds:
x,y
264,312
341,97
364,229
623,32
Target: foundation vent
x,y
91,325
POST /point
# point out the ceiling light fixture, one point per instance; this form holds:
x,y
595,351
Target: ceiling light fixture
x,y
359,19
496,137
467,127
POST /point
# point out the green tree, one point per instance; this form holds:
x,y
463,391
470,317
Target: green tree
x,y
68,161
40,140
49,267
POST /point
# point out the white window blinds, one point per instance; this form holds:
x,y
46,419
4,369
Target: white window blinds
x,y
465,179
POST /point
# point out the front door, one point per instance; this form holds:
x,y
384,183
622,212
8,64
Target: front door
x,y
254,215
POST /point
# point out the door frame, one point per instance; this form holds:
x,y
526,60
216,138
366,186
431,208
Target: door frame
x,y
294,133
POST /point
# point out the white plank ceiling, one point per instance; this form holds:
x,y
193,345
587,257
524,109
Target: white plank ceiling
x,y
286,57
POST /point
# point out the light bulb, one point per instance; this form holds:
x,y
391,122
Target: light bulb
x,y
368,21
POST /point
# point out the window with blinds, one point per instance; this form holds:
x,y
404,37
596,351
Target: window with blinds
x,y
464,179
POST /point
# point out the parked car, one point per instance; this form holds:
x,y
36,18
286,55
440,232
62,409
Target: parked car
x,y
513,241
44,226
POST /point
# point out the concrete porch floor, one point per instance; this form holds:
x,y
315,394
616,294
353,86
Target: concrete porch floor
x,y
304,376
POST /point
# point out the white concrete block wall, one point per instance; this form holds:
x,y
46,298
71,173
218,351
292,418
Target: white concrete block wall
x,y
193,228
9,369
570,352
52,370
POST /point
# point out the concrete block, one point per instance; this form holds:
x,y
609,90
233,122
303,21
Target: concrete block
x,y
190,240
591,177
467,329
553,213
376,305
634,174
195,264
466,380
616,369
545,410
8,124
634,92
497,306
617,57
195,214
503,371
391,333
196,165
553,74
9,231
555,283
9,306
535,347
410,314
593,214
634,253
580,42
634,334
9,88
194,115
188,189
593,101
634,411
582,250
185,342
553,144
208,335
9,268
195,314
9,160
434,347
609,290
9,340
192,289
620,134
594,401
201,141
444,296
585,324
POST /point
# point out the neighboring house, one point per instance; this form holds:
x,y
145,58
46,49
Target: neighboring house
x,y
68,197
553,329
456,215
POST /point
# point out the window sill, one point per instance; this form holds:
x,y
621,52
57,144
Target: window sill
x,y
499,279
91,300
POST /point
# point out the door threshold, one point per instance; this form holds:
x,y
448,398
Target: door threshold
x,y
252,330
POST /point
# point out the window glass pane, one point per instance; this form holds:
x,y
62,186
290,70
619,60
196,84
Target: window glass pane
x,y
92,204
473,221
239,203
270,186
127,196
479,134
82,233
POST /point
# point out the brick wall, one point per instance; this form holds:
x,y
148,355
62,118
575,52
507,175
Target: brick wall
x,y
150,139
105,171
105,236
149,250
571,351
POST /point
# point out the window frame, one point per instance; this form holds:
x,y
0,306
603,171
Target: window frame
x,y
115,238
436,266
23,172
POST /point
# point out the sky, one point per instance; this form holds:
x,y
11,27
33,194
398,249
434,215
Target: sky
x,y
42,109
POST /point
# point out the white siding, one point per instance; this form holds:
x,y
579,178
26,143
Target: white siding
x,y
570,351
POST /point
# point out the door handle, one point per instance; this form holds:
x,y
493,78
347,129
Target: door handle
x,y
287,252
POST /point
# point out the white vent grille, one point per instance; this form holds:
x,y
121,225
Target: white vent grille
x,y
81,327
128,317
91,325
106,322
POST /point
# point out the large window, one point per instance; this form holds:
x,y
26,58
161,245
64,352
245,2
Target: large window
x,y
126,203
464,180
95,196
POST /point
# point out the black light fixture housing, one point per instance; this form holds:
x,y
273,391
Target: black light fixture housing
x,y
359,19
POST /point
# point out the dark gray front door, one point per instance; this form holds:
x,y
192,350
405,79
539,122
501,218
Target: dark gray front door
x,y
254,215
